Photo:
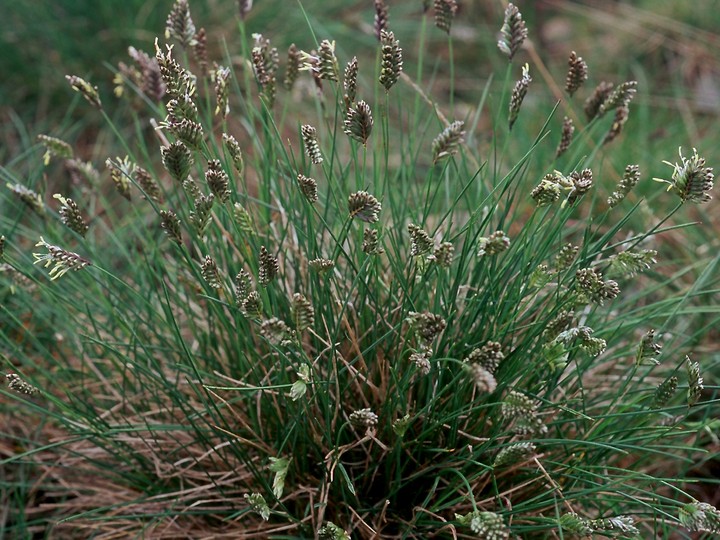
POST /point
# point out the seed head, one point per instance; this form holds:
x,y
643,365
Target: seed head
x,y
484,380
252,306
86,90
121,170
177,160
350,82
629,263
2,247
70,215
359,122
257,502
62,261
381,18
580,183
16,384
29,197
421,241
496,243
548,191
568,130
151,83
171,225
328,64
178,80
222,91
695,381
522,410
443,254
276,332
518,95
577,73
364,207
485,525
392,60
590,283
244,7
179,24
566,257
200,216
421,361
210,272
269,267
513,454
54,148
364,418
698,516
321,265
232,147
691,179
630,178
243,219
513,32
371,242
312,148
621,96
302,312
308,187
330,531
444,14
200,51
488,356
218,180
81,171
427,325
596,99
445,144
664,392
148,184
621,116
243,287
293,67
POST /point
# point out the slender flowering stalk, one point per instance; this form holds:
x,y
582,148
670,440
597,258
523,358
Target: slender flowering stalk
x,y
513,32
445,144
568,129
364,207
577,73
61,260
70,215
392,60
518,95
445,13
691,179
359,122
86,90
312,148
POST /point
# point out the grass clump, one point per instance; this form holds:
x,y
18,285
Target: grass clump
x,y
292,317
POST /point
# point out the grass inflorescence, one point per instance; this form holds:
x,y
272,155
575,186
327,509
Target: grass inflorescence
x,y
336,313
